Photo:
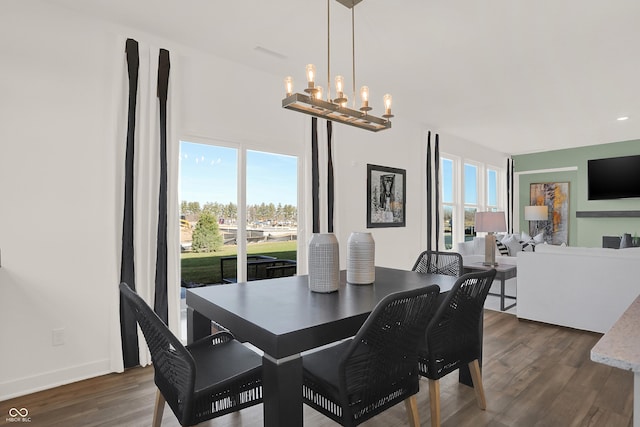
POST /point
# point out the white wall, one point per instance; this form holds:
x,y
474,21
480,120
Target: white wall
x,y
57,221
59,228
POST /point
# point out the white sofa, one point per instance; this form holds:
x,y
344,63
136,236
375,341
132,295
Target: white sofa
x,y
582,288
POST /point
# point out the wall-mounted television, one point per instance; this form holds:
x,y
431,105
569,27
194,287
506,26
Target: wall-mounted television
x,y
613,178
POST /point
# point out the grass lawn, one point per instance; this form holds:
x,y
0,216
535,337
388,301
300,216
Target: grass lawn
x,y
205,267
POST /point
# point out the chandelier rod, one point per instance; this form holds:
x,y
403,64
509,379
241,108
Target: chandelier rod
x,y
353,56
328,51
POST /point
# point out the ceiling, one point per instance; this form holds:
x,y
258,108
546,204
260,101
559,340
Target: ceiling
x,y
518,76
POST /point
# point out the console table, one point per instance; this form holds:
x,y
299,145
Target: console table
x,y
620,348
504,272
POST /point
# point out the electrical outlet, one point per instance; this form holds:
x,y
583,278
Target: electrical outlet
x,y
57,337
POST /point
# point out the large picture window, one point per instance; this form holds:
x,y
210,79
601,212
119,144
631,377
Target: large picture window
x,y
238,214
467,187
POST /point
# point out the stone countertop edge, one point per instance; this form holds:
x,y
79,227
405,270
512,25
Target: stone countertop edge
x,y
620,346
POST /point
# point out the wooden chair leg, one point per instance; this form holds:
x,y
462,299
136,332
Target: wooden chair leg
x,y
476,377
412,411
434,400
158,410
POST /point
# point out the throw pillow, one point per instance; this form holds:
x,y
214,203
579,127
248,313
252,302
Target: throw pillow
x,y
478,245
539,238
513,243
502,249
525,237
528,247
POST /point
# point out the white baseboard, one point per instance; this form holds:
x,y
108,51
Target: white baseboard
x,y
46,380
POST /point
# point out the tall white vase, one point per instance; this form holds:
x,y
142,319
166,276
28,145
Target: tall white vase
x,y
324,263
361,251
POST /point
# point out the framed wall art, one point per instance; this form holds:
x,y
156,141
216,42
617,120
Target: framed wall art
x,y
386,196
554,195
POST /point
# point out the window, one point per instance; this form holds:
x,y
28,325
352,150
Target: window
x,y
492,189
448,201
216,224
466,188
470,200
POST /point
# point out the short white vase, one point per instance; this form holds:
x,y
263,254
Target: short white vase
x,y
361,251
324,263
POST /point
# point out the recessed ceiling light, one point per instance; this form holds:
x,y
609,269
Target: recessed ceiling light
x,y
623,118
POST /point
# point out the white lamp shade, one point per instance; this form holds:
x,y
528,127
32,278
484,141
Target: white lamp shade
x,y
536,213
490,222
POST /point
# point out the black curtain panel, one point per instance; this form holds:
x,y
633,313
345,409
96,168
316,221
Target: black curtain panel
x,y
160,301
511,171
429,192
510,195
436,188
330,183
315,176
128,328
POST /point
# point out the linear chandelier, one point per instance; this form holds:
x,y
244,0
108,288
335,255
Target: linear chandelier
x,y
312,102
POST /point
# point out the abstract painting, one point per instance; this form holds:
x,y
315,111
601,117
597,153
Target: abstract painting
x,y
554,195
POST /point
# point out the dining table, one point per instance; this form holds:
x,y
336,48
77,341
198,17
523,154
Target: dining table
x,y
283,318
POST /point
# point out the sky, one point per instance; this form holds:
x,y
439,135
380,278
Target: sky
x,y
209,174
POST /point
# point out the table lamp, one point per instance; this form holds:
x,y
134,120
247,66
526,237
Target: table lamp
x,y
536,213
490,222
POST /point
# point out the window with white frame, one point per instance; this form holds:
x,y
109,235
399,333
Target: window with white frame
x,y
466,188
471,200
448,198
492,189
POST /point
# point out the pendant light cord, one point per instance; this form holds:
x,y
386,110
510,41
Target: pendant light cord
x,y
353,55
328,51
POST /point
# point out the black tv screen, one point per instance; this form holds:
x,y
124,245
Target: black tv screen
x,y
613,178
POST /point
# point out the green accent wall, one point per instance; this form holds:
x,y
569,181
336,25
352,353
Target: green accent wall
x,y
570,165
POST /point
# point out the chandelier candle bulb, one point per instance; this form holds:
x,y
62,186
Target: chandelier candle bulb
x,y
288,83
364,94
341,99
311,75
339,84
319,92
387,106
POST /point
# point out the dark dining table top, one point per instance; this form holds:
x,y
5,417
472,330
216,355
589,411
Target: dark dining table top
x,y
283,317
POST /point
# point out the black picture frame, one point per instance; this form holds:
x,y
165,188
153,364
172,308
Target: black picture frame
x,y
386,196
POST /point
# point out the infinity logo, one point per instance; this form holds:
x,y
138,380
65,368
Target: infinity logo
x,y
22,412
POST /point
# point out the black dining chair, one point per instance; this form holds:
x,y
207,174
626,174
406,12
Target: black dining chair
x,y
213,376
449,263
453,337
357,379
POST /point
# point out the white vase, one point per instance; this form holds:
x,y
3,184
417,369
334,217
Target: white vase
x,y
361,250
324,263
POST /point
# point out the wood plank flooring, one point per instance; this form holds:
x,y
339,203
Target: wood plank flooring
x,y
534,375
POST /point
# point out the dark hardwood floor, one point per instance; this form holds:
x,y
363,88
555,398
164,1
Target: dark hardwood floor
x,y
534,375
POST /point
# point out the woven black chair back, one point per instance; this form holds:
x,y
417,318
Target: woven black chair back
x,y
174,366
379,368
453,337
449,263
